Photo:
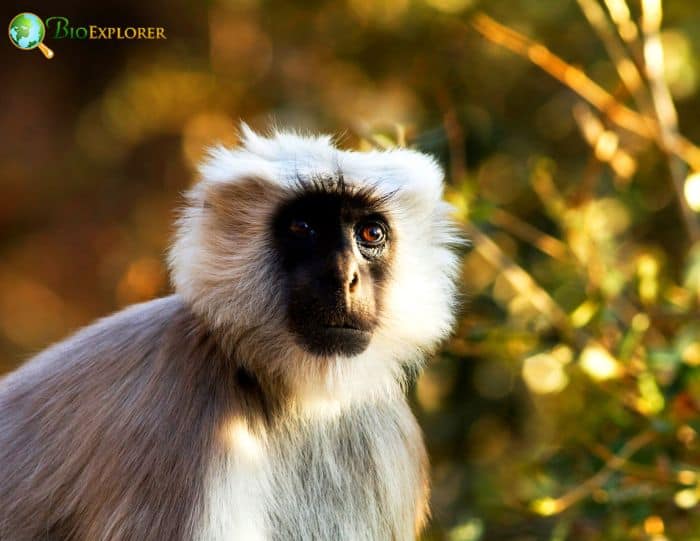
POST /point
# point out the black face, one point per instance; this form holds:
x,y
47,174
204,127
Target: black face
x,y
335,253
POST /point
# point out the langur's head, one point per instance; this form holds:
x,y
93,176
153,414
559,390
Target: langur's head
x,y
316,260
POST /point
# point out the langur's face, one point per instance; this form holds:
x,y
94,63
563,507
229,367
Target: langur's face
x,y
335,252
293,250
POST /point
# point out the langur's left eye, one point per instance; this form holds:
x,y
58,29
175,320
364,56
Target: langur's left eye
x,y
371,234
300,228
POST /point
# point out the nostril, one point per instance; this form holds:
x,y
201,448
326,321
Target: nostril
x,y
354,281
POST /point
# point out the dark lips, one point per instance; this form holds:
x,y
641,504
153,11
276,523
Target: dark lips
x,y
345,326
344,331
344,339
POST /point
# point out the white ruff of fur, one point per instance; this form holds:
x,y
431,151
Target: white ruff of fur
x,y
288,471
238,488
229,280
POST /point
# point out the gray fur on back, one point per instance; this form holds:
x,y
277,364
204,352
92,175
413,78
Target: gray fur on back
x,y
103,436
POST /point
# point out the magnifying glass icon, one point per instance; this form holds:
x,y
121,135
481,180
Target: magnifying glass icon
x,y
27,32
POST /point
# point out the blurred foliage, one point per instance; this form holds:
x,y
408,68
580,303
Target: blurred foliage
x,y
567,404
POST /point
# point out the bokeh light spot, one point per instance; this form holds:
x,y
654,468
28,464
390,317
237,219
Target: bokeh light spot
x,y
543,373
599,364
691,191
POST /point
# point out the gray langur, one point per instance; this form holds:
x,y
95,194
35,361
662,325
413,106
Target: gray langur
x,y
264,399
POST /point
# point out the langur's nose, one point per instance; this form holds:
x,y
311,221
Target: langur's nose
x,y
352,276
354,282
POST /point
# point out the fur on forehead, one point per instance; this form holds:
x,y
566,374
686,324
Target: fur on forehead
x,y
222,260
285,158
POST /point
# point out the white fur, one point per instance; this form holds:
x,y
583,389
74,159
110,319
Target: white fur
x,y
238,488
229,282
296,475
419,304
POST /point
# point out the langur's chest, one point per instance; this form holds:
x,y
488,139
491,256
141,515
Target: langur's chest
x,y
348,477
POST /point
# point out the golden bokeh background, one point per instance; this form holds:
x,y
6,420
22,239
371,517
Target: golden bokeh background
x,y
567,404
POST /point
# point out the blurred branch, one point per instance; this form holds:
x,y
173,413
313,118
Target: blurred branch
x,y
455,137
564,72
545,243
620,14
543,185
664,108
605,143
378,140
575,79
615,462
521,281
626,68
635,470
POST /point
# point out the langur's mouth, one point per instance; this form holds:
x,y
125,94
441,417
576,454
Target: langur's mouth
x,y
345,333
345,338
347,322
347,329
344,326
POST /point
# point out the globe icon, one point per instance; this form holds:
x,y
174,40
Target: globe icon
x,y
27,32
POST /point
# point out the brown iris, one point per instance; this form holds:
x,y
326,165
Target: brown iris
x,y
371,233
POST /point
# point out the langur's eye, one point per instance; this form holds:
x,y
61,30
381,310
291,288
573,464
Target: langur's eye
x,y
300,228
371,233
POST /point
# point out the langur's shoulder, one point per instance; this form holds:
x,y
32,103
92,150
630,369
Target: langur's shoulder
x,y
124,337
